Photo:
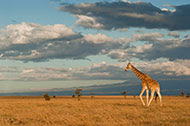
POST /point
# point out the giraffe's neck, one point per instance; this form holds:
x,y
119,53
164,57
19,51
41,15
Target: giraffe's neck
x,y
138,73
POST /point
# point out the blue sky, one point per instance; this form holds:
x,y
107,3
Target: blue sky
x,y
63,43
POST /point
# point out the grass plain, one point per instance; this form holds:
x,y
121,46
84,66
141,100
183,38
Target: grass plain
x,y
100,111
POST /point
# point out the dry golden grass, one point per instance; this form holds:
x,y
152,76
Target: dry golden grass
x,y
101,111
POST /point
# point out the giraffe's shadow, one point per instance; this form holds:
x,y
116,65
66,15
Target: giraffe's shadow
x,y
125,104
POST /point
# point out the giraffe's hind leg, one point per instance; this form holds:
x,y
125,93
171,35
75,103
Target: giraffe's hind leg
x,y
152,96
147,96
159,95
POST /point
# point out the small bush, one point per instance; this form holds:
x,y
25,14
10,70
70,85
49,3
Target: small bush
x,y
92,95
46,97
188,95
182,94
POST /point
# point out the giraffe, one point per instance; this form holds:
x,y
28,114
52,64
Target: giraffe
x,y
147,84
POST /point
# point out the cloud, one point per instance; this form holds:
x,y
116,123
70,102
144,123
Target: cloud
x,y
168,10
8,69
153,46
98,38
30,32
2,77
119,54
168,48
123,29
140,49
178,69
174,34
167,68
44,74
34,42
147,36
117,15
86,21
25,71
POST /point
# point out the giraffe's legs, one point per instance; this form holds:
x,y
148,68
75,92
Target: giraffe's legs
x,y
152,96
147,96
142,91
159,95
156,97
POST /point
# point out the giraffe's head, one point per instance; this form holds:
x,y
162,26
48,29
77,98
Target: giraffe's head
x,y
128,67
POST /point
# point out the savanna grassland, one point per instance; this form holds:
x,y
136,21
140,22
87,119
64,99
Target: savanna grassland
x,y
100,111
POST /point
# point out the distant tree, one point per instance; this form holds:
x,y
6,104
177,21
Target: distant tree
x,y
135,96
73,96
92,95
124,93
188,95
78,93
182,94
46,97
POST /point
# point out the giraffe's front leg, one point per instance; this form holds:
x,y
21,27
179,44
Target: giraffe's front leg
x,y
142,91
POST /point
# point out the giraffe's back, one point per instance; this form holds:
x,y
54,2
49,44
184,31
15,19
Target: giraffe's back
x,y
150,83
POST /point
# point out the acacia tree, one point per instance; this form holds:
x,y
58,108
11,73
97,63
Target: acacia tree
x,y
124,93
78,93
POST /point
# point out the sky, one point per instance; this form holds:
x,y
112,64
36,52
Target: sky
x,y
47,44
